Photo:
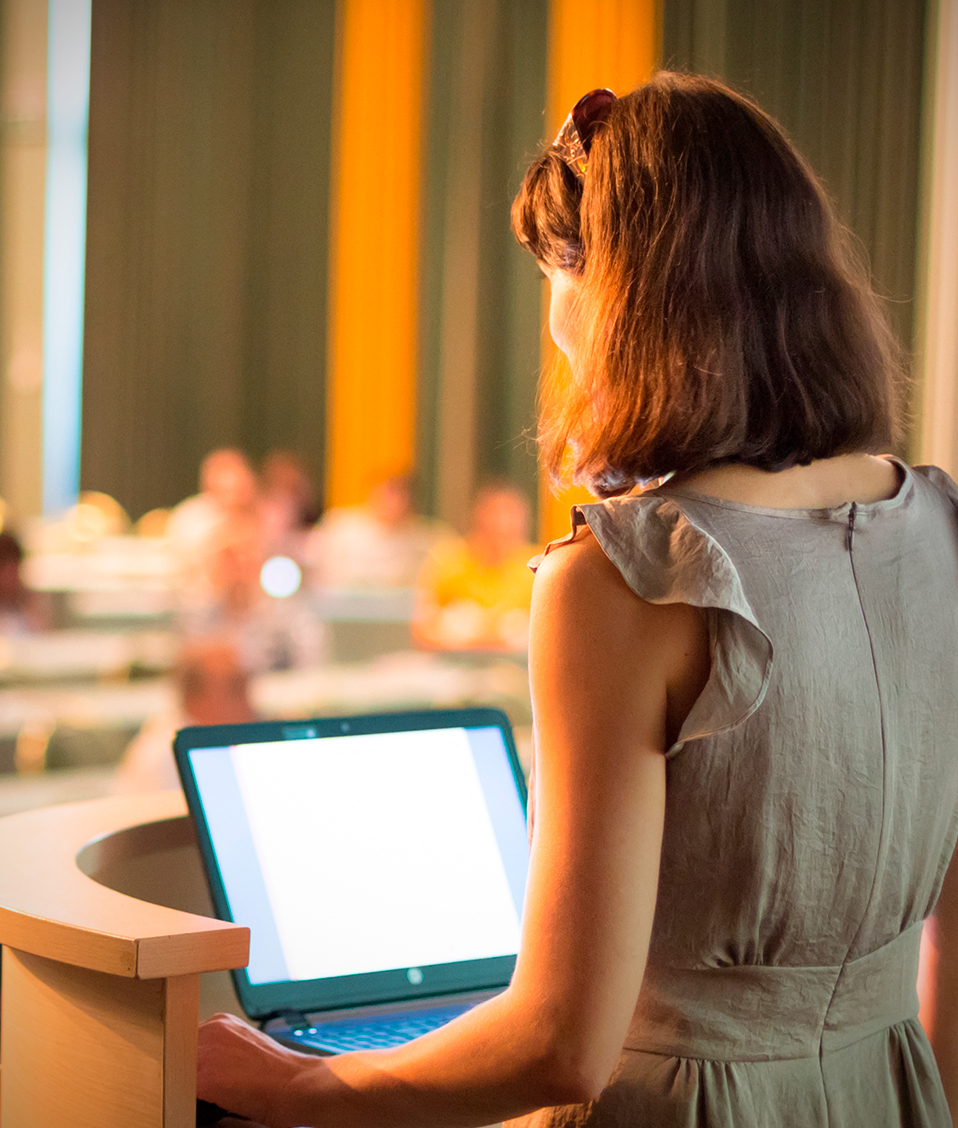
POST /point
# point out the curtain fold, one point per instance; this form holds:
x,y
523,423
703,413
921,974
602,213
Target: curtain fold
x,y
845,79
207,234
480,294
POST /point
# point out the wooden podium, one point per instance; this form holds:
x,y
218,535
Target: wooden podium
x,y
100,989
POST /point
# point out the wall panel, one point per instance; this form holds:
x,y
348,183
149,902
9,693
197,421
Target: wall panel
x,y
23,79
935,436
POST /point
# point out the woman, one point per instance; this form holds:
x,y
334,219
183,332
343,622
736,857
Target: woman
x,y
745,792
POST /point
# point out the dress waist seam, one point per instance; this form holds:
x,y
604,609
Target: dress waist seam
x,y
764,1013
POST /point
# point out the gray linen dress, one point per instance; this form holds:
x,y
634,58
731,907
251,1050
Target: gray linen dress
x,y
811,812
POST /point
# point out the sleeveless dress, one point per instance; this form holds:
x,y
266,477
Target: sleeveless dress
x,y
811,812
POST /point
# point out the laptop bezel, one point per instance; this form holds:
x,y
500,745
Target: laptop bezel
x,y
264,1000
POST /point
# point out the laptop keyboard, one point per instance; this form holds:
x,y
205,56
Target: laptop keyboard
x,y
374,1033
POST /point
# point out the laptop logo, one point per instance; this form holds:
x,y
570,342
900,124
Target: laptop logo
x,y
414,975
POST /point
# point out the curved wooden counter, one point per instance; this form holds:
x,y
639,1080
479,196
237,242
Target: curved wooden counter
x,y
100,989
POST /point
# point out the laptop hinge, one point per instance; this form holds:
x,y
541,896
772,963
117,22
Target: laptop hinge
x,y
294,1019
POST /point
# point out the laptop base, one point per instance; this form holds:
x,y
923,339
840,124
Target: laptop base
x,y
370,1028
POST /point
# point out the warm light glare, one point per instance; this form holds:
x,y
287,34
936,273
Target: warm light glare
x,y
614,47
280,577
374,282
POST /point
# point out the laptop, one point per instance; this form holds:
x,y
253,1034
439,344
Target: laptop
x,y
379,862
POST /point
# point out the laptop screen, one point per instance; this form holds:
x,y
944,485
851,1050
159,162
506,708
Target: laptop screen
x,y
369,852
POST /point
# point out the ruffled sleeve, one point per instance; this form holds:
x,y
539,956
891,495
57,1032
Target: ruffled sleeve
x,y
665,558
939,478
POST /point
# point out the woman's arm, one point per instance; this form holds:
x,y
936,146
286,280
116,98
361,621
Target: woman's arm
x,y
608,673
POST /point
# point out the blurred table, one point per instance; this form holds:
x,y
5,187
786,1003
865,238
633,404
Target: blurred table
x,y
110,564
115,581
91,724
76,655
75,696
405,680
364,624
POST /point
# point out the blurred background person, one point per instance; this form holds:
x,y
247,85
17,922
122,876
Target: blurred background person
x,y
289,507
229,496
22,611
212,688
474,592
271,627
382,544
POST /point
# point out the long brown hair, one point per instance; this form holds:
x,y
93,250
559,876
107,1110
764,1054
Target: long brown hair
x,y
721,313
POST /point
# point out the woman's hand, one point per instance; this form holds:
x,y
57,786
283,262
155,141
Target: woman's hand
x,y
248,1073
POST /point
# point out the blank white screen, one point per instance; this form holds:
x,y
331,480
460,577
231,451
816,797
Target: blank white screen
x,y
377,852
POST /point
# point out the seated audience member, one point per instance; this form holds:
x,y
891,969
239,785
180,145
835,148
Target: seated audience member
x,y
227,600
212,688
21,610
382,544
229,493
289,505
474,593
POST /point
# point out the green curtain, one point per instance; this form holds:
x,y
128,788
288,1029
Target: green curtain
x,y
208,215
209,150
481,295
845,79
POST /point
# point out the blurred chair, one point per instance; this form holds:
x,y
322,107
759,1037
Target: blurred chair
x,y
33,740
153,524
97,515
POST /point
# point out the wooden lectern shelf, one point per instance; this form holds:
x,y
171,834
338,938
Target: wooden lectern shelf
x,y
100,989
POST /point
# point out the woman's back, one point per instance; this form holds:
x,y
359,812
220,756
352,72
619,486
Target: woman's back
x,y
739,908
812,810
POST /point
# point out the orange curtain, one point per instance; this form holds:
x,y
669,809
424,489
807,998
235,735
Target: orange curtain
x,y
611,43
371,408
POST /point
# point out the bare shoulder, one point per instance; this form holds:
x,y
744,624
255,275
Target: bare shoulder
x,y
589,628
578,578
576,568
